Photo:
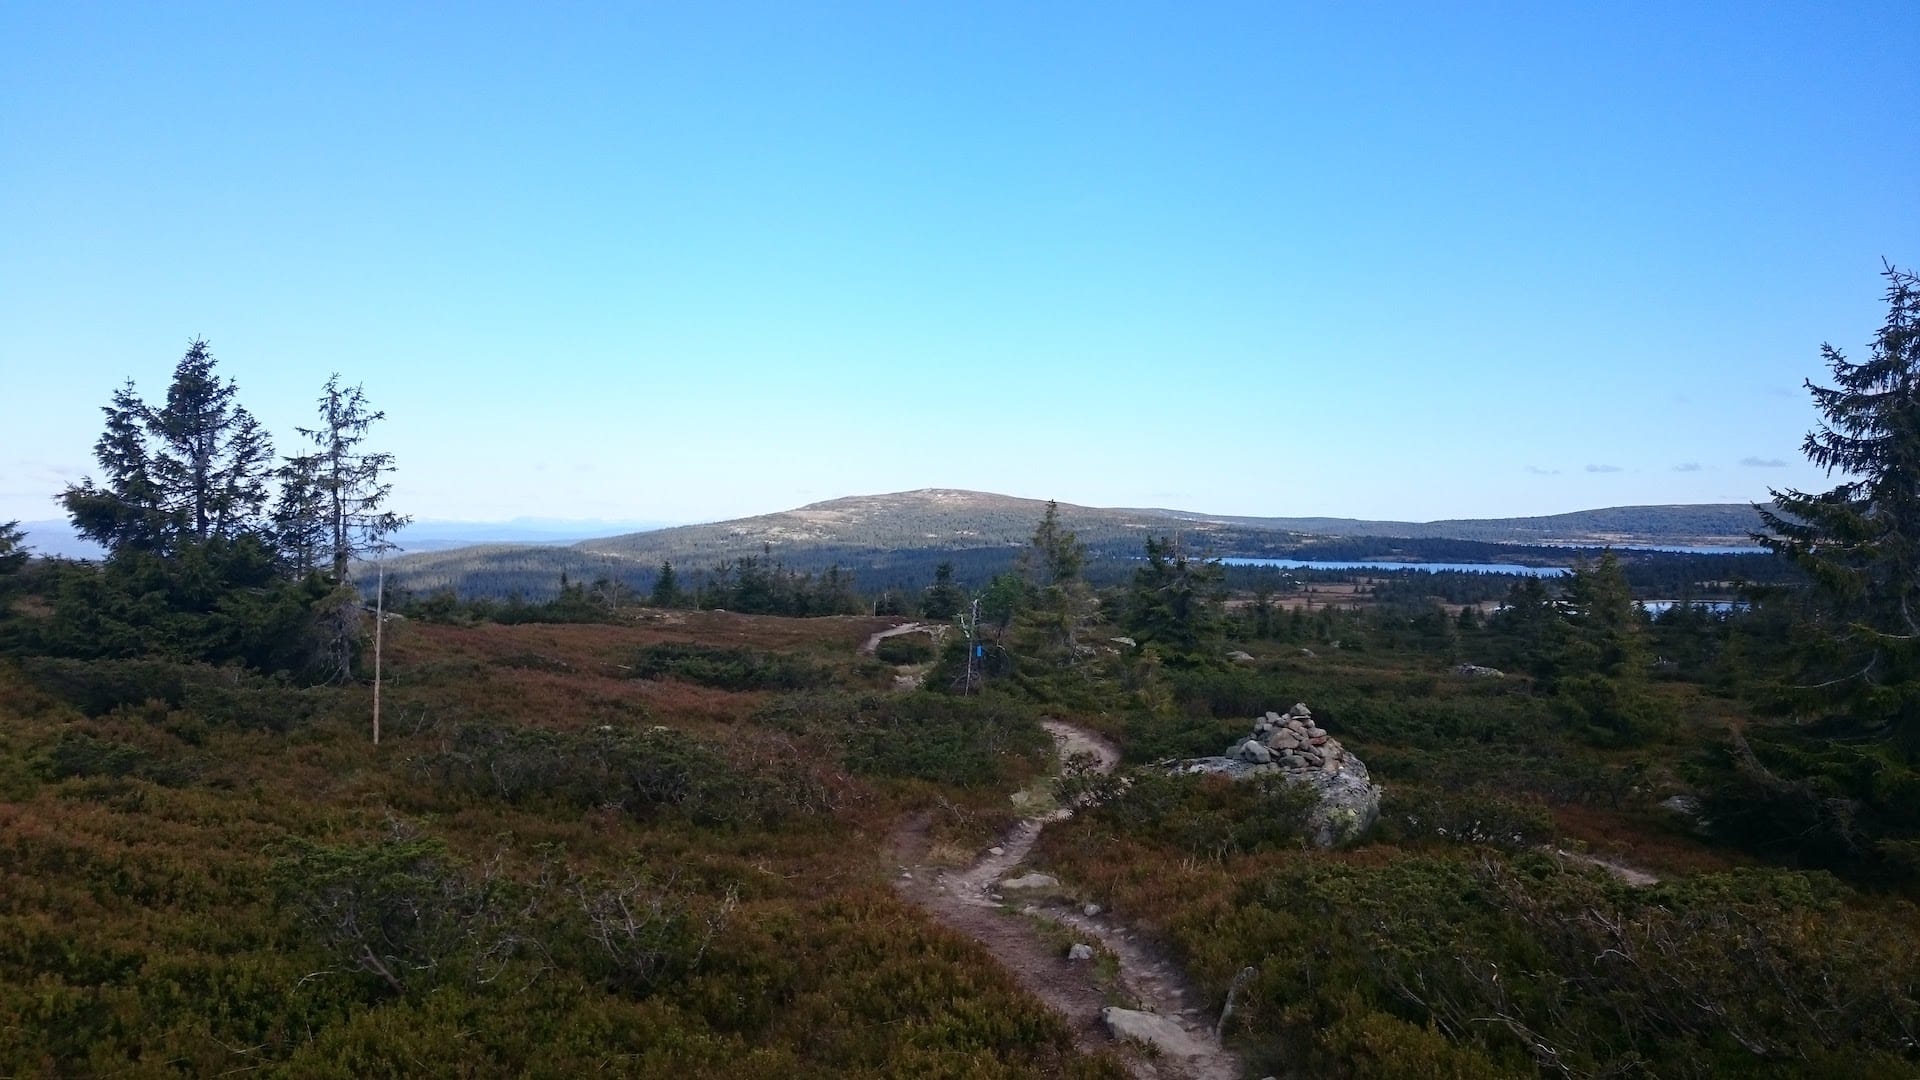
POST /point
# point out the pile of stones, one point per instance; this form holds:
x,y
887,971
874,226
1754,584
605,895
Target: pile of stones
x,y
1291,741
1293,747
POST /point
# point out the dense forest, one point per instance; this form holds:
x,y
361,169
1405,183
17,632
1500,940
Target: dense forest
x,y
620,830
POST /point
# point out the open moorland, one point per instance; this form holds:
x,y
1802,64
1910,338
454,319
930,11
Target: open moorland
x,y
629,839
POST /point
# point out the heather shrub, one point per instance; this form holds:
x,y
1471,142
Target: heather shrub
x,y
727,668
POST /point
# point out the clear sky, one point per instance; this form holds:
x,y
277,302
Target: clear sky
x,y
685,262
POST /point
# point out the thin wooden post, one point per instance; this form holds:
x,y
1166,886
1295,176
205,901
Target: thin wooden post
x,y
379,635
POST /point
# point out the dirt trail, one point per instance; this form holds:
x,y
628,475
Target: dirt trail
x,y
906,676
968,900
873,642
1630,874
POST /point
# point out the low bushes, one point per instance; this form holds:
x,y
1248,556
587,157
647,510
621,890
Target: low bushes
x,y
644,773
1482,963
969,742
1209,816
409,917
78,754
219,697
904,649
1412,814
727,669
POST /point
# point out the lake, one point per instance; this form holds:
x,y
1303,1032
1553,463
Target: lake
x,y
1675,549
1714,607
1429,567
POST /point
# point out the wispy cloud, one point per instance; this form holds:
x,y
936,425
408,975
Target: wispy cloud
x,y
1763,463
1603,468
1687,466
1538,471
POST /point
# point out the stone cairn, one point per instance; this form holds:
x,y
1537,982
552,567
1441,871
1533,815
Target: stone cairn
x,y
1292,746
1291,741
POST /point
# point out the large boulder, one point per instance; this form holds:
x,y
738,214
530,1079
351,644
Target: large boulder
x,y
1293,747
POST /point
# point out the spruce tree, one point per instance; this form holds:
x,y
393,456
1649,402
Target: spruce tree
x,y
13,549
1174,602
189,472
1859,542
666,588
943,598
1060,603
332,507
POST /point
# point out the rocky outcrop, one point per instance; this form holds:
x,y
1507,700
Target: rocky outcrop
x,y
1292,746
1475,671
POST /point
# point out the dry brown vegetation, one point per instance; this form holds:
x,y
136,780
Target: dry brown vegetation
x,y
656,847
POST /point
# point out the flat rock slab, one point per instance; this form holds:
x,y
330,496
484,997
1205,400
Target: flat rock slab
x,y
1031,881
1154,1030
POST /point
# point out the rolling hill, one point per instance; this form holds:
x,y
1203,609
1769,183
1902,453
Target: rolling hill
x,y
896,537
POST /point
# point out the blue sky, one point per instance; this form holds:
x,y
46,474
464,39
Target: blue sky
x,y
689,262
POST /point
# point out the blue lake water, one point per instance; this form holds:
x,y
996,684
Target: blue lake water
x,y
1677,549
1430,567
1715,607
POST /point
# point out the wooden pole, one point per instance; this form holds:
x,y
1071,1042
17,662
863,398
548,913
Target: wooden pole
x,y
379,633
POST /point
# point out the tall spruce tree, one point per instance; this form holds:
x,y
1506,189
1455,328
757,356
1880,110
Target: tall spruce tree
x,y
13,557
1060,604
1607,628
1174,603
191,471
13,549
1859,543
332,511
666,588
332,507
943,599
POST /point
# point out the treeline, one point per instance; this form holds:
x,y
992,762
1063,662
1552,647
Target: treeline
x,y
533,574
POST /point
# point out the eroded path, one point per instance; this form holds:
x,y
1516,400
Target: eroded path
x,y
970,900
873,641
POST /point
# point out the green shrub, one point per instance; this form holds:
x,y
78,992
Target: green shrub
x,y
645,773
727,668
904,649
1478,817
1148,737
97,687
1697,978
228,697
401,911
964,741
78,754
1209,816
1609,711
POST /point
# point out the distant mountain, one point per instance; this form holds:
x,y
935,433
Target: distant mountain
x,y
57,538
440,535
1703,524
895,537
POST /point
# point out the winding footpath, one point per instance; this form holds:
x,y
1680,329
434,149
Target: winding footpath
x,y
873,642
969,900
